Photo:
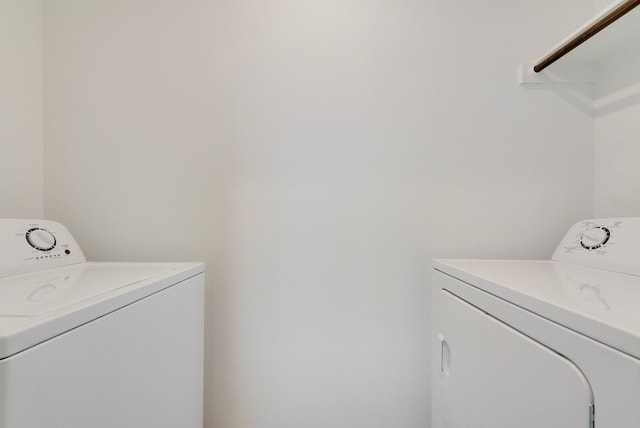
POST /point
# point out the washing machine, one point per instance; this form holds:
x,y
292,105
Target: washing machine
x,y
548,343
95,345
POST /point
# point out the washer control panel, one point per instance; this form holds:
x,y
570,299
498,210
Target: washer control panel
x,y
33,245
609,244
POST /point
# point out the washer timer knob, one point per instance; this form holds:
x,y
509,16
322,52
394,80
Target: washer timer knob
x,y
595,237
41,239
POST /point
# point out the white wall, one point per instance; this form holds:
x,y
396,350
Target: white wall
x,y
315,155
601,4
616,136
21,148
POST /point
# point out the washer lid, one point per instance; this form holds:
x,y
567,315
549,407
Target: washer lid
x,y
37,306
599,304
53,290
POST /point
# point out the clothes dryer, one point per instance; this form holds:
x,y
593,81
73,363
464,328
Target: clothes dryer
x,y
90,344
532,344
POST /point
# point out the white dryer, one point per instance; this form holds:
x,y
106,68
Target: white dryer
x,y
95,345
531,344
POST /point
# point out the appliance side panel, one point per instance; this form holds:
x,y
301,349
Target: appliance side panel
x,y
614,377
140,366
488,375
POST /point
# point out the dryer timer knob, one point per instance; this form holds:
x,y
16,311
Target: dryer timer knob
x,y
595,237
41,239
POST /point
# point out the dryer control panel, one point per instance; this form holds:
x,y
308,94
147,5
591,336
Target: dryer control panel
x,y
609,244
33,245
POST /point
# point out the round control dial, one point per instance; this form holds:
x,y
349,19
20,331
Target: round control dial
x,y
41,239
595,237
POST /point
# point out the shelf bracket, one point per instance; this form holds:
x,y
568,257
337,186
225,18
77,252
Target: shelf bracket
x,y
570,73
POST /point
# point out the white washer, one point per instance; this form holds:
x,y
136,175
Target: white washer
x,y
98,345
530,344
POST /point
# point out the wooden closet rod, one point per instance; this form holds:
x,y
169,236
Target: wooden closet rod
x,y
584,35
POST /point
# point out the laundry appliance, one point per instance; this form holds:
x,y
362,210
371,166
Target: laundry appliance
x,y
95,344
549,343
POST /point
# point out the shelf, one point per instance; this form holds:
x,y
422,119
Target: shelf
x,y
576,68
582,46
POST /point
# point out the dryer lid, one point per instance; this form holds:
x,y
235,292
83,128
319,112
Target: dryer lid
x,y
600,304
